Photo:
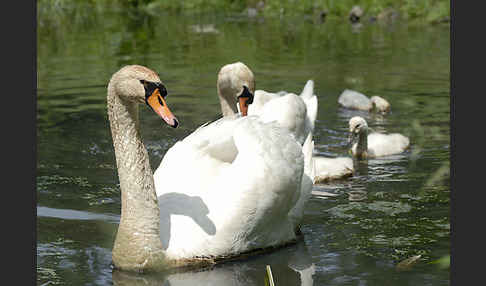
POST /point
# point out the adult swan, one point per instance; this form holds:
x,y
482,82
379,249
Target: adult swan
x,y
228,192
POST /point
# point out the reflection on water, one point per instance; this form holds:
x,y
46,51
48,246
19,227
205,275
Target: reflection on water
x,y
291,266
355,230
75,215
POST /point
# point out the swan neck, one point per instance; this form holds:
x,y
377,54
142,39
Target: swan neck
x,y
362,147
137,244
228,104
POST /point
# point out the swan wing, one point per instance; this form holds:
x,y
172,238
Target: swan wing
x,y
295,113
260,98
226,188
307,183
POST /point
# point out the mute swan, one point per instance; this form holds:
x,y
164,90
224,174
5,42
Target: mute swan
x,y
374,144
355,100
218,156
236,165
294,113
224,191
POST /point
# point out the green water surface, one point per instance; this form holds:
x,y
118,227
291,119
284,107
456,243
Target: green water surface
x,y
391,209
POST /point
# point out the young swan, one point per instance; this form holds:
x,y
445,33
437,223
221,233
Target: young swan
x,y
374,144
355,100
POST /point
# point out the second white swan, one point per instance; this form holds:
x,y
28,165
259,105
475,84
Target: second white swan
x,y
232,186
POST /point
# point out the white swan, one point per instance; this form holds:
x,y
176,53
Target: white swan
x,y
355,100
374,144
296,114
222,171
224,191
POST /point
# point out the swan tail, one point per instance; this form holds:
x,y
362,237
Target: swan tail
x,y
310,100
308,90
309,163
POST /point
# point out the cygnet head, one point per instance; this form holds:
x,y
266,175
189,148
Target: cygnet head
x,y
139,84
236,85
381,104
357,124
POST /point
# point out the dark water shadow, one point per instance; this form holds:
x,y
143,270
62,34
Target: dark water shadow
x,y
180,204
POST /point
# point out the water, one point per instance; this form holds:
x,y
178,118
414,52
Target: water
x,y
391,209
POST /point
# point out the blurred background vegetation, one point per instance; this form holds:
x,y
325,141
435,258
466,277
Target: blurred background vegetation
x,y
423,11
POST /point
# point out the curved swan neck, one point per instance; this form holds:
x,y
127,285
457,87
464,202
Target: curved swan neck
x,y
231,80
137,245
228,104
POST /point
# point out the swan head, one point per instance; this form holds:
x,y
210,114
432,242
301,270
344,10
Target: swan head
x,y
381,104
139,84
236,87
357,124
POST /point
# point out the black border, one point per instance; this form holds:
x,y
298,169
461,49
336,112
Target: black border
x,y
19,144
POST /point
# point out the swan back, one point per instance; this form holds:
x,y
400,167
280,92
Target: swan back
x,y
259,101
239,198
375,144
290,112
386,144
355,100
296,113
333,168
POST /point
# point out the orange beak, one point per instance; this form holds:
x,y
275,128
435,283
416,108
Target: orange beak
x,y
243,105
158,104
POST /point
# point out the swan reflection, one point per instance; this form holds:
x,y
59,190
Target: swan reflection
x,y
290,266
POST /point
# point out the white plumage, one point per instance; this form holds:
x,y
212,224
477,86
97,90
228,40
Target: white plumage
x,y
233,185
241,176
356,100
375,144
328,169
296,113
